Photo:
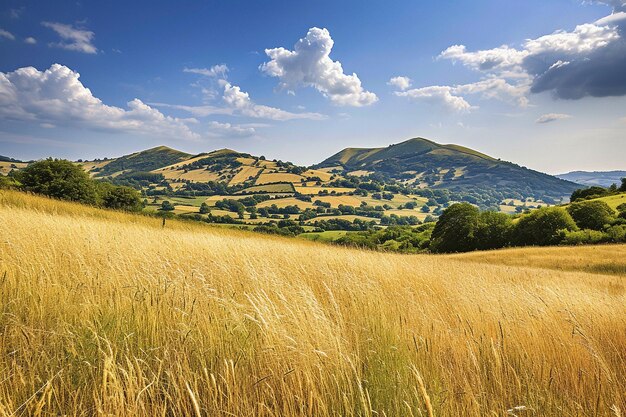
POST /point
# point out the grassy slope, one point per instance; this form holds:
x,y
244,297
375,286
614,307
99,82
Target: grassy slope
x,y
614,200
107,313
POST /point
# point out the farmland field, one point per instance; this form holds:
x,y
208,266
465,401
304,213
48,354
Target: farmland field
x,y
112,314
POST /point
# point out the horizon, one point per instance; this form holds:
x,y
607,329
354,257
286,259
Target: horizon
x,y
545,90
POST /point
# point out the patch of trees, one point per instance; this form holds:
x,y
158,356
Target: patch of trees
x,y
597,192
394,238
462,227
64,180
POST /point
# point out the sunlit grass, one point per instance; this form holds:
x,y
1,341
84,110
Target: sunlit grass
x,y
104,313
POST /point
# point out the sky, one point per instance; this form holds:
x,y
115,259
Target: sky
x,y
539,83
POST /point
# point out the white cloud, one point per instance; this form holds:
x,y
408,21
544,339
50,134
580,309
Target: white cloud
x,y
451,97
309,65
227,129
197,111
7,35
438,95
73,39
402,83
497,88
585,38
56,97
30,40
552,117
575,64
215,71
240,102
497,59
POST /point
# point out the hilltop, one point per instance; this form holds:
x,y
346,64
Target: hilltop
x,y
425,163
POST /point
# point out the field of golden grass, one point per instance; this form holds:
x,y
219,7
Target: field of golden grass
x,y
104,313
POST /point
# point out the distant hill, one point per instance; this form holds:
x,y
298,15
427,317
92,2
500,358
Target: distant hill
x,y
147,160
7,159
590,178
428,164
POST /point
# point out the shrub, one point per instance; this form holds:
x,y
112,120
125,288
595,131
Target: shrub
x,y
591,214
493,230
455,229
543,227
119,197
583,237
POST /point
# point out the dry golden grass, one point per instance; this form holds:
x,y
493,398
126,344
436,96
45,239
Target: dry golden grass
x,y
244,174
104,313
199,175
278,177
312,189
603,259
284,202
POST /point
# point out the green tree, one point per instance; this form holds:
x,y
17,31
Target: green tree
x,y
493,230
167,206
591,214
623,186
455,230
118,197
542,227
587,193
58,178
204,208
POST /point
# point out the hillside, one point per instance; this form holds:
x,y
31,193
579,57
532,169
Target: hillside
x,y
112,312
147,160
428,164
591,178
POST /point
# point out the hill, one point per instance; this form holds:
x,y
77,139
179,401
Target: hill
x,y
428,164
591,178
147,160
113,312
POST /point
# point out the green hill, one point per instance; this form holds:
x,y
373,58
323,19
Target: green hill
x,y
147,160
428,164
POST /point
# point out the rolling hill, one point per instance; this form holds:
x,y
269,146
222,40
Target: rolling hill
x,y
428,164
591,178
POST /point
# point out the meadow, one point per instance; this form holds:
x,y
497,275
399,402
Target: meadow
x,y
106,313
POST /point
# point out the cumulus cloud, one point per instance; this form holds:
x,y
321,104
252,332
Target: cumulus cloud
x,y
30,40
7,35
215,71
240,102
442,96
73,39
552,117
401,83
57,97
588,61
451,97
227,129
310,65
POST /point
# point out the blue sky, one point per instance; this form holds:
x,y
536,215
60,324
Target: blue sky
x,y
534,82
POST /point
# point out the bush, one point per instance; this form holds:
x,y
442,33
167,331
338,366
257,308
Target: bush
x,y
591,214
543,227
493,230
119,197
58,178
455,229
583,237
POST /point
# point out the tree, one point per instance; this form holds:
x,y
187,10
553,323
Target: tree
x,y
587,193
167,206
591,214
455,230
623,186
118,197
541,227
58,178
493,230
204,208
